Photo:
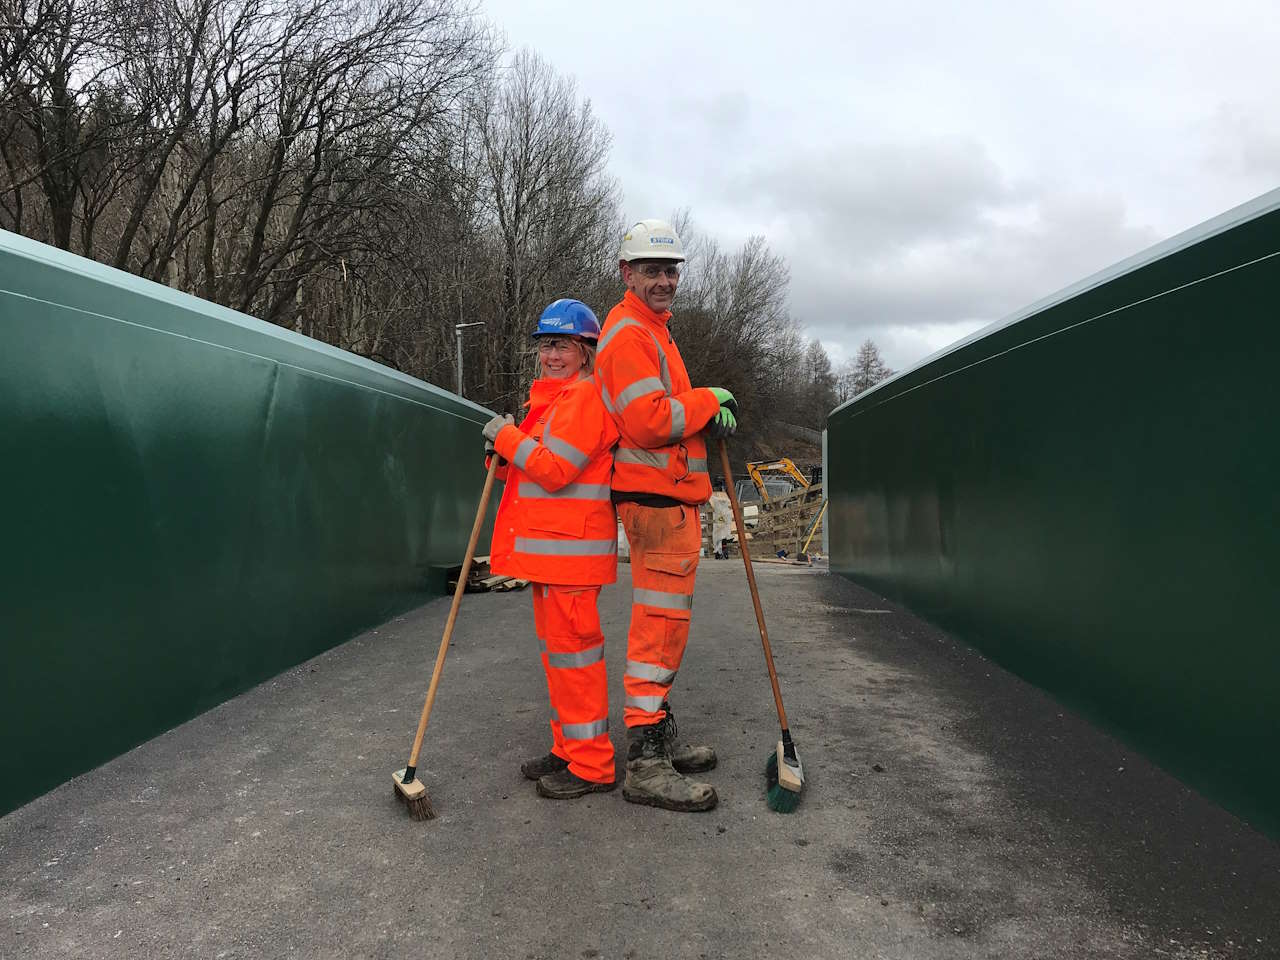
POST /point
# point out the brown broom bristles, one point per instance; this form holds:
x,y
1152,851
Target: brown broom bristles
x,y
419,808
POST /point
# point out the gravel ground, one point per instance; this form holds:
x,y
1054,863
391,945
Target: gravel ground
x,y
950,811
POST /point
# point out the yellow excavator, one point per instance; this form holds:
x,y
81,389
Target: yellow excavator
x,y
793,478
782,505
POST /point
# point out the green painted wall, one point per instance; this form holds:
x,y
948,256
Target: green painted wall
x,y
194,500
1089,493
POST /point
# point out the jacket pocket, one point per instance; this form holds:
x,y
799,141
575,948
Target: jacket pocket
x,y
669,587
567,524
679,564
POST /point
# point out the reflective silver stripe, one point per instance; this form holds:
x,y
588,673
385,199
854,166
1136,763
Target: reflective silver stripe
x,y
562,447
571,491
565,449
622,324
677,420
662,357
662,600
583,658
526,447
555,714
645,457
584,731
662,363
697,466
651,704
604,394
639,389
649,671
567,548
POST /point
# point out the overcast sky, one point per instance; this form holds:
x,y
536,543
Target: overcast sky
x,y
925,167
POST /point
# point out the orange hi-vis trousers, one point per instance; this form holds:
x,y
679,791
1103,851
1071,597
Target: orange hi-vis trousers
x,y
665,543
568,628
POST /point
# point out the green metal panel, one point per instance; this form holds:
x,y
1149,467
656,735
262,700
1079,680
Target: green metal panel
x,y
194,500
1088,494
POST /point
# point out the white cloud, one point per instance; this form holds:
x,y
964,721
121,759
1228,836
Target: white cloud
x,y
927,168
925,241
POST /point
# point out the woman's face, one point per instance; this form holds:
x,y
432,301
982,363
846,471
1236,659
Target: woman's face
x,y
560,357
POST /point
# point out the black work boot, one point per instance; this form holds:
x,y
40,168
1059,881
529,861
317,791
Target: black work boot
x,y
685,757
535,769
652,780
566,785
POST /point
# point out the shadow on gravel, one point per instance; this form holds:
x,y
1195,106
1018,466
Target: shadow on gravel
x,y
1034,795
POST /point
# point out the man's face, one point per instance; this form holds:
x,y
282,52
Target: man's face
x,y
653,281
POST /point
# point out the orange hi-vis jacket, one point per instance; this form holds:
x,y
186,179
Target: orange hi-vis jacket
x,y
556,522
659,414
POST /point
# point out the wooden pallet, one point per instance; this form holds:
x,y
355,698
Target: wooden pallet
x,y
510,583
787,522
480,580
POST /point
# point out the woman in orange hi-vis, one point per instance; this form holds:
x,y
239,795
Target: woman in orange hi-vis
x,y
556,527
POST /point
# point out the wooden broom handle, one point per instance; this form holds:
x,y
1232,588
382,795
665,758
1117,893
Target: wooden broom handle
x,y
481,510
751,581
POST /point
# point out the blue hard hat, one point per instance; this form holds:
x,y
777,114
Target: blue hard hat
x,y
568,318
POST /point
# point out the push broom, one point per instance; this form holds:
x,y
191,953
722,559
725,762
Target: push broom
x,y
784,773
408,788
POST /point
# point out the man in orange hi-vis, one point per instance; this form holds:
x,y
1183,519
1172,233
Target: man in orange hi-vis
x,y
659,479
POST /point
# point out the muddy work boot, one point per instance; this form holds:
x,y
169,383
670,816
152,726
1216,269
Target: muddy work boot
x,y
652,780
536,769
566,785
685,757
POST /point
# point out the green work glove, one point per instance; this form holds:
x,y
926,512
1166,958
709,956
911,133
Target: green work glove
x,y
722,425
724,398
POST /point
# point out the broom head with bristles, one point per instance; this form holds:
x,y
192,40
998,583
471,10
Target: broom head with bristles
x,y
414,796
786,780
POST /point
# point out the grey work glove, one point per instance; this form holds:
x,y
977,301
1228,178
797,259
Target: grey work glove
x,y
491,430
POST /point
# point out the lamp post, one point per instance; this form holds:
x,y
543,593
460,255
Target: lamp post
x,y
457,332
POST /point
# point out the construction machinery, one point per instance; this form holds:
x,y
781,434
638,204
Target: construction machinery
x,y
751,496
781,506
769,485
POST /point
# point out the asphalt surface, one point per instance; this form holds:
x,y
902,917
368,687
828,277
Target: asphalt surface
x,y
950,811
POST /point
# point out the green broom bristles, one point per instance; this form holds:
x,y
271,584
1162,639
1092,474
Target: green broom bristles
x,y
778,798
781,800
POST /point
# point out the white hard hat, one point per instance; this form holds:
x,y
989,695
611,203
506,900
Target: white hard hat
x,y
651,240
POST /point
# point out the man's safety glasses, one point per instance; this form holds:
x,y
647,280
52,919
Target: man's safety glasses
x,y
651,271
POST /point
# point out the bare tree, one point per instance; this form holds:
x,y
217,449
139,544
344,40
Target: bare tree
x,y
57,64
360,171
817,386
195,88
551,205
734,307
862,372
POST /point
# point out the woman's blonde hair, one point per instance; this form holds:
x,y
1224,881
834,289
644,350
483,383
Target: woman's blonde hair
x,y
589,349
